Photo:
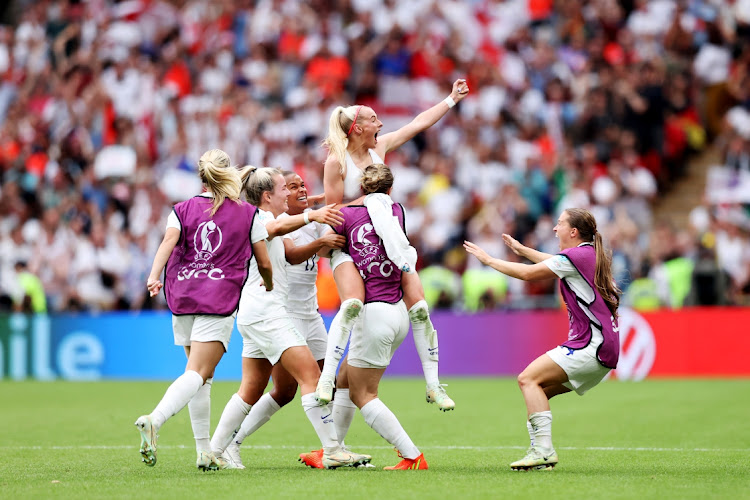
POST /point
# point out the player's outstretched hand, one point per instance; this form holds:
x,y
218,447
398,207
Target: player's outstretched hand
x,y
512,243
154,286
327,215
477,252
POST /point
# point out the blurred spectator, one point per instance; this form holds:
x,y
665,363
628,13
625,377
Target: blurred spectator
x,y
642,294
710,284
105,107
30,298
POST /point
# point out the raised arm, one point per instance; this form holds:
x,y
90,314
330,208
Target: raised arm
x,y
333,183
526,272
422,121
298,254
524,251
326,215
171,237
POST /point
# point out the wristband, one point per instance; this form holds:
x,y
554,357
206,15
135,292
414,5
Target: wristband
x,y
449,101
307,218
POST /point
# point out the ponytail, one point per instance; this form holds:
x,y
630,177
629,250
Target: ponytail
x,y
585,222
603,278
341,120
219,177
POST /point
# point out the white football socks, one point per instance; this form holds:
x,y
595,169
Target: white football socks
x,y
261,412
426,341
338,335
200,416
384,422
343,413
530,428
542,423
177,396
231,418
321,419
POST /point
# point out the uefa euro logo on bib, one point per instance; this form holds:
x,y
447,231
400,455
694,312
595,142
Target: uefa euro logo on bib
x,y
207,240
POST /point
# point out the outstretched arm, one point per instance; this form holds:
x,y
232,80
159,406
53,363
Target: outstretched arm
x,y
526,272
524,251
171,237
423,120
326,215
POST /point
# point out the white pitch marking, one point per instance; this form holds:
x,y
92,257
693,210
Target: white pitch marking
x,y
381,447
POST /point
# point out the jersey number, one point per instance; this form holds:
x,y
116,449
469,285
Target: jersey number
x,y
310,263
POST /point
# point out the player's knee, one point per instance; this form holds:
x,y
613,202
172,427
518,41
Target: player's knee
x,y
284,395
361,398
524,380
250,393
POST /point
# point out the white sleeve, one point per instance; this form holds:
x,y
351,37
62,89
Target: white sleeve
x,y
258,231
561,266
173,221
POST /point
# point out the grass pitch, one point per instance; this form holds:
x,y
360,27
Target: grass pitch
x,y
654,439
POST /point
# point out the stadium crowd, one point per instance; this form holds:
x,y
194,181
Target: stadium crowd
x,y
105,108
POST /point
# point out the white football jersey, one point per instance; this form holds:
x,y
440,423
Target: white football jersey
x,y
257,304
302,299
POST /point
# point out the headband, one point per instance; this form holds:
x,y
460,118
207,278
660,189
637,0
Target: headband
x,y
356,114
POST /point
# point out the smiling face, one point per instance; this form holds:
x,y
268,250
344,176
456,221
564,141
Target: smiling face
x,y
567,235
367,127
297,200
276,201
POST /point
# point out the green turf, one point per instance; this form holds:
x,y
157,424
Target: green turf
x,y
654,439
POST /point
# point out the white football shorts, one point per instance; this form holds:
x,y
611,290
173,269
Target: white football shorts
x,y
202,328
339,257
378,333
581,365
314,332
268,339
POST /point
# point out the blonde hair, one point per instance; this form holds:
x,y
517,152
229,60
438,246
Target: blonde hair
x,y
376,178
256,181
338,125
585,222
219,177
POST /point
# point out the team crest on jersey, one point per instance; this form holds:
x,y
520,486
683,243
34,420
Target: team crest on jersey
x,y
365,241
207,240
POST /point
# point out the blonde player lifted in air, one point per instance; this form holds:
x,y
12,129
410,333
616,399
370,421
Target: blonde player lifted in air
x,y
354,144
219,229
593,346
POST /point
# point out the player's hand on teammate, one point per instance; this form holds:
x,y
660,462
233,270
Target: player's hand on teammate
x,y
460,90
154,286
333,240
477,252
512,243
327,215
